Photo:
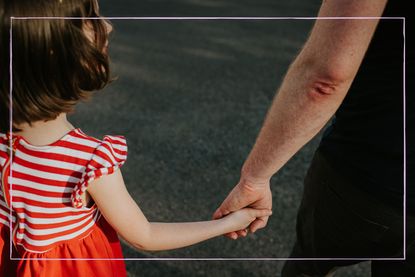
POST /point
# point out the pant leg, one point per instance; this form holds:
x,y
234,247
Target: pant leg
x,y
338,220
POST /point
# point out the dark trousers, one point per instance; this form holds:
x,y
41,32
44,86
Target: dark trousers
x,y
338,220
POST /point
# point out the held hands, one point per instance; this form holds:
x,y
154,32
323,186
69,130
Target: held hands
x,y
255,194
241,219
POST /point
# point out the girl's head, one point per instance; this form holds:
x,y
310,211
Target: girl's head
x,y
55,62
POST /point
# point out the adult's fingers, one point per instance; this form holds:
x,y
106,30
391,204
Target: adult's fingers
x,y
242,233
258,223
232,235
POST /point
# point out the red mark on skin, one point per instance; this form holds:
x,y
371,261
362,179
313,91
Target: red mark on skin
x,y
320,90
324,88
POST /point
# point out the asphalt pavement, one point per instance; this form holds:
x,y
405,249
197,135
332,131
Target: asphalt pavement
x,y
190,96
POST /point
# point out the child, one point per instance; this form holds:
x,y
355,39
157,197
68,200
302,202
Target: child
x,y
63,189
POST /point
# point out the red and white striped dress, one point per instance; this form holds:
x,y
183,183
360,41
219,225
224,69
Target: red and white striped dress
x,y
41,209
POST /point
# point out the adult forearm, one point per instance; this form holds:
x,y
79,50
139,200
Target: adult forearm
x,y
303,105
315,84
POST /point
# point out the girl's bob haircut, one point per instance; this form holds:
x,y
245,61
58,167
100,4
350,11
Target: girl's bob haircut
x,y
54,63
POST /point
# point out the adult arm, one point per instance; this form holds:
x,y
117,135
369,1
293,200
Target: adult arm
x,y
312,90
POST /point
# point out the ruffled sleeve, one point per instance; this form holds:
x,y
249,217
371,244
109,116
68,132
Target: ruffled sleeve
x,y
107,158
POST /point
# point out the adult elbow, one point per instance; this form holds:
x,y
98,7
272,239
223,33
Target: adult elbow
x,y
322,89
323,77
336,75
328,83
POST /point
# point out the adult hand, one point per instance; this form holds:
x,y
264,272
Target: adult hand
x,y
255,194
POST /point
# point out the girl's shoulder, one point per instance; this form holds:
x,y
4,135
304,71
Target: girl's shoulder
x,y
113,146
78,136
109,154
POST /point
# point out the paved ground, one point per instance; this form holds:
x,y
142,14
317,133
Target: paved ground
x,y
190,98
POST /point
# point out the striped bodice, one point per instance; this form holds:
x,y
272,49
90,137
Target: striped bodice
x,y
44,184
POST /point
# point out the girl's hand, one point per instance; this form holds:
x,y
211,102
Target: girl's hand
x,y
241,219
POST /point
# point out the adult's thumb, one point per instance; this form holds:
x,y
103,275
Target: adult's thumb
x,y
263,212
220,212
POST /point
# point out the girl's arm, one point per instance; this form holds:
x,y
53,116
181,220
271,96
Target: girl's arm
x,y
124,215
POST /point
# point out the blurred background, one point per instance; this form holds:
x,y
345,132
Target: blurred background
x,y
191,96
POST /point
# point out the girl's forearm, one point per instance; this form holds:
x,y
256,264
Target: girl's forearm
x,y
165,236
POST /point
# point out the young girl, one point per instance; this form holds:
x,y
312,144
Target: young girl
x,y
63,199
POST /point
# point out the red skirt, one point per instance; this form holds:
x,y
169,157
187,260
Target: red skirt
x,y
98,254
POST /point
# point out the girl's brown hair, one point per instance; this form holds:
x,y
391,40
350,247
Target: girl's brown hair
x,y
54,64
